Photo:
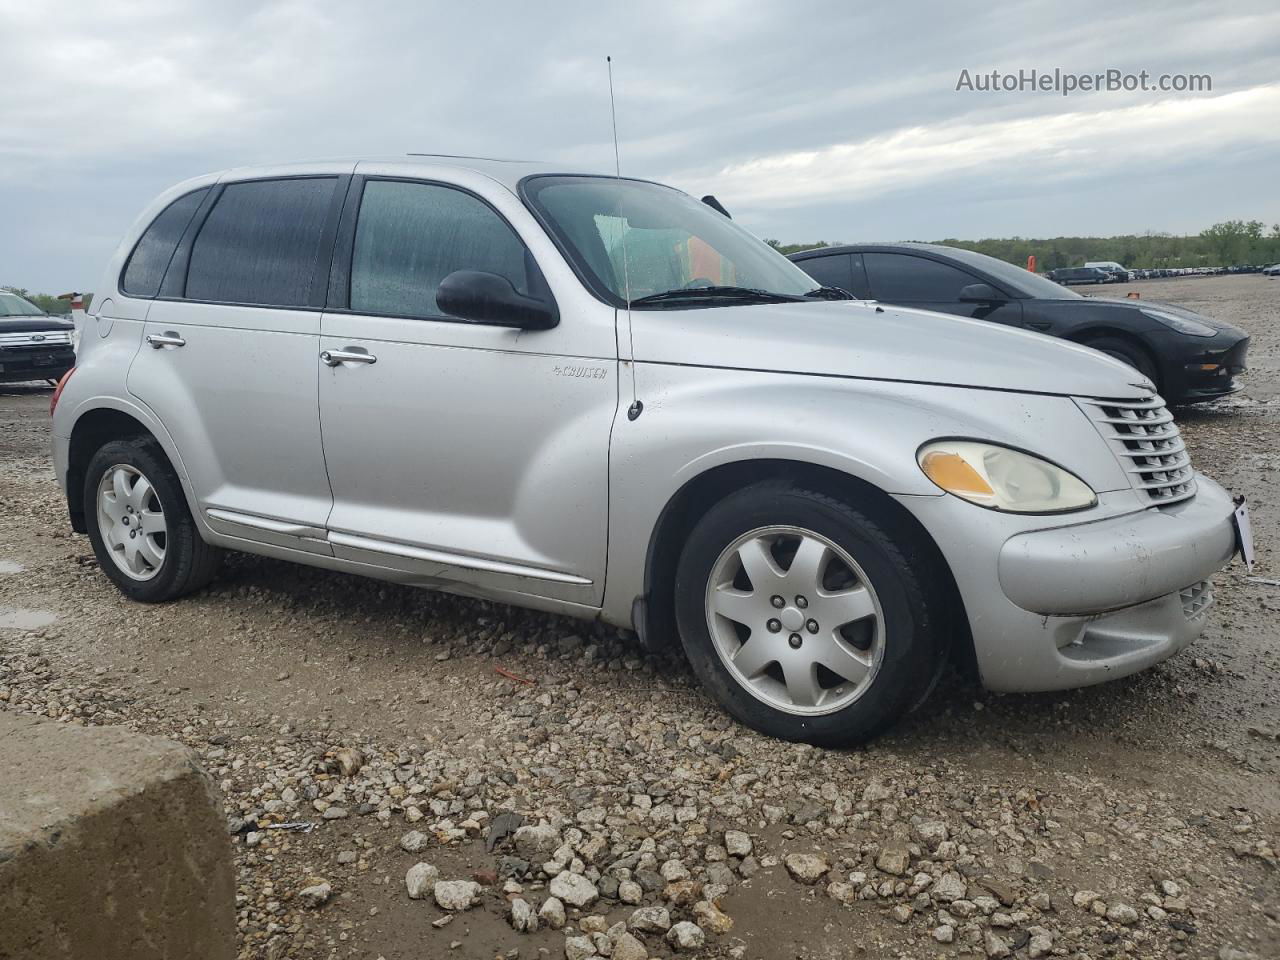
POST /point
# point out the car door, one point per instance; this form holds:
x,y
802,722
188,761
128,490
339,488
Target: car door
x,y
228,362
914,281
471,456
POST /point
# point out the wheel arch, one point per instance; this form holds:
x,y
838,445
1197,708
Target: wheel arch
x,y
93,428
653,613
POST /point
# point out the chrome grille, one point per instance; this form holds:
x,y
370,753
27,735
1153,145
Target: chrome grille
x,y
1196,599
28,338
1145,438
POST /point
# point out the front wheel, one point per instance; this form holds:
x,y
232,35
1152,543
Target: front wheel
x,y
804,617
141,529
1127,353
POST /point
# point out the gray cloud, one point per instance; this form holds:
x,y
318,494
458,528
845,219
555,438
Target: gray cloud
x,y
809,120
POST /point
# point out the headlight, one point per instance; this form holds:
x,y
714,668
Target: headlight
x,y
999,478
1181,324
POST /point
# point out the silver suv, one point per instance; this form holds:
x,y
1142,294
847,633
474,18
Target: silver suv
x,y
601,397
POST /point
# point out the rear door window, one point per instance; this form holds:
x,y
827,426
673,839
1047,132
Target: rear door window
x,y
899,278
261,243
410,236
154,249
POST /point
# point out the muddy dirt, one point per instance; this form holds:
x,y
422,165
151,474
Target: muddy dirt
x,y
1138,818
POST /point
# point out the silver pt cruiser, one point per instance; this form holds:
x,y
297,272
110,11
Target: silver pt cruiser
x,y
601,397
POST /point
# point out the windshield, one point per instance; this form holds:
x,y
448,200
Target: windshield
x,y
1023,281
670,240
12,305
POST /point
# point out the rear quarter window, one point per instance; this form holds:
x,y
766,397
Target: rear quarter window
x,y
154,249
261,243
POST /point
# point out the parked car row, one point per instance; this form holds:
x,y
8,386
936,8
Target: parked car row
x,y
602,397
1112,272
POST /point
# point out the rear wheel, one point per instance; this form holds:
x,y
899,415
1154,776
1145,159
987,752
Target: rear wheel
x,y
1129,353
142,532
804,617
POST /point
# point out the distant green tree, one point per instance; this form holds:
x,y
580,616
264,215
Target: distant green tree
x,y
48,302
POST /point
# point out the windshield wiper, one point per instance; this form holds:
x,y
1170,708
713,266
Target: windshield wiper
x,y
714,293
830,293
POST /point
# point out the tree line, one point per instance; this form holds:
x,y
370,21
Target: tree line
x,y
1225,244
48,302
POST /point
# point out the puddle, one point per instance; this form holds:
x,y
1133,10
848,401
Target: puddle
x,y
19,618
10,566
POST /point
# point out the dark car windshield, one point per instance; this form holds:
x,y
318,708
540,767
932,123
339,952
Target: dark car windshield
x,y
1022,281
629,239
12,305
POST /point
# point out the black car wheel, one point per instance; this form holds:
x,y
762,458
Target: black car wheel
x,y
1130,353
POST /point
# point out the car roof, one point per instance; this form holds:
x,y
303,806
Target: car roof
x,y
903,246
508,172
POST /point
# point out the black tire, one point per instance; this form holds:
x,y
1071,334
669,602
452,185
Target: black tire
x,y
904,580
189,563
1130,353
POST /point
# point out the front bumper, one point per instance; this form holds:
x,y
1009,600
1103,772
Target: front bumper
x,y
1198,370
26,363
1075,605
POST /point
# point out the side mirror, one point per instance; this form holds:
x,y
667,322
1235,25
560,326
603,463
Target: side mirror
x,y
490,299
979,293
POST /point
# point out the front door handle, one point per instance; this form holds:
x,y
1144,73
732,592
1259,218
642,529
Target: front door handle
x,y
167,339
335,357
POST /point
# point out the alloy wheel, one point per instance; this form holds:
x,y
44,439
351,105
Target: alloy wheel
x,y
795,620
132,522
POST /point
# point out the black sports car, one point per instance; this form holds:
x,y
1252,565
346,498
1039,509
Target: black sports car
x,y
1190,357
33,345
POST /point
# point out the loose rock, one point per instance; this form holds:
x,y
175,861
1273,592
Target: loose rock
x,y
806,867
456,895
419,880
686,936
574,888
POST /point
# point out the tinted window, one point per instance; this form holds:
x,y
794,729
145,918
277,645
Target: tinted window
x,y
151,255
410,236
897,277
830,271
261,242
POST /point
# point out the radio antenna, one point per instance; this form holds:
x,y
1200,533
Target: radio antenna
x,y
636,406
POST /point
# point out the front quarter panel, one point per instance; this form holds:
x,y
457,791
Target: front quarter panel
x,y
695,419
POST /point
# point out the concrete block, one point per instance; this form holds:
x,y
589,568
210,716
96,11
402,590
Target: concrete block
x,y
113,846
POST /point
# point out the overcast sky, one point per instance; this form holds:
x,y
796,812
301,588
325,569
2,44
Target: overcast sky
x,y
809,120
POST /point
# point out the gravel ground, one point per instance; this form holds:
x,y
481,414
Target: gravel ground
x,y
489,782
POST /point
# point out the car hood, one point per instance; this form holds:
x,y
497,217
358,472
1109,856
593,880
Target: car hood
x,y
26,324
1168,308
870,341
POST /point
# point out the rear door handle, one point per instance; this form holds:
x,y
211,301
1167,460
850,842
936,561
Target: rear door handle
x,y
335,357
167,339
